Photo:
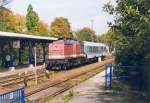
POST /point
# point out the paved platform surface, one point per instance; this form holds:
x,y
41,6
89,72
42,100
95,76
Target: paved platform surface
x,y
88,91
92,91
85,92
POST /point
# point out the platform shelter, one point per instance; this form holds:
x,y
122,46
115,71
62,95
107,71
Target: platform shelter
x,y
19,50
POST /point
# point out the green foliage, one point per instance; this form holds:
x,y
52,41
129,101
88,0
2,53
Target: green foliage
x,y
109,38
43,29
10,22
68,97
32,20
86,34
7,20
60,27
131,37
20,23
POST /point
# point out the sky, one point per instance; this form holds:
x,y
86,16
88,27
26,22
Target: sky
x,y
80,13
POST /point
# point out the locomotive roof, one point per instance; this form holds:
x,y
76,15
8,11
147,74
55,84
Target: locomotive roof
x,y
67,41
87,43
25,36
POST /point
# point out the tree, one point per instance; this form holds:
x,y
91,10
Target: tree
x,y
86,34
43,29
7,20
20,23
32,20
60,27
108,38
132,36
10,22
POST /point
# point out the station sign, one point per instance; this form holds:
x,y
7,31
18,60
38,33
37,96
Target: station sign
x,y
13,96
16,44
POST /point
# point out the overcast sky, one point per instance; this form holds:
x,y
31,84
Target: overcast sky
x,y
79,12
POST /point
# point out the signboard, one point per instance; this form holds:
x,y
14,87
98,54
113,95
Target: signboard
x,y
14,96
16,44
108,76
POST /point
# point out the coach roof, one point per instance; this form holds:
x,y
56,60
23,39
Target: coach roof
x,y
87,43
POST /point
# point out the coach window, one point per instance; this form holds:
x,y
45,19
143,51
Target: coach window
x,y
87,49
100,49
93,49
90,49
96,49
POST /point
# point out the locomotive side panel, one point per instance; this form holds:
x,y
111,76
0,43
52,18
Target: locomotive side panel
x,y
68,50
56,51
77,50
80,50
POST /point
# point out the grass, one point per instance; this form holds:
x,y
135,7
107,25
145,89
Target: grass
x,y
64,99
122,91
68,97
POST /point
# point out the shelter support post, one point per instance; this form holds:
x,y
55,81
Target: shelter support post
x,y
44,54
35,62
20,55
30,56
11,66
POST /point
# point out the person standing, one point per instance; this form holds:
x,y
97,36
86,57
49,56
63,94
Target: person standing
x,y
8,61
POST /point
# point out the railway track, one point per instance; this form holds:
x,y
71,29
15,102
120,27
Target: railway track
x,y
18,79
69,84
21,78
62,84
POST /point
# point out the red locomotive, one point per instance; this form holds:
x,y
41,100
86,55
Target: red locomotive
x,y
65,53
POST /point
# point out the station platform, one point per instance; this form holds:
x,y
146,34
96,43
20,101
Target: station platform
x,y
93,91
7,72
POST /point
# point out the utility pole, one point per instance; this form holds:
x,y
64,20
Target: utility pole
x,y
92,24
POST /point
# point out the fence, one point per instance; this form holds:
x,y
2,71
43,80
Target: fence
x,y
15,96
122,72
